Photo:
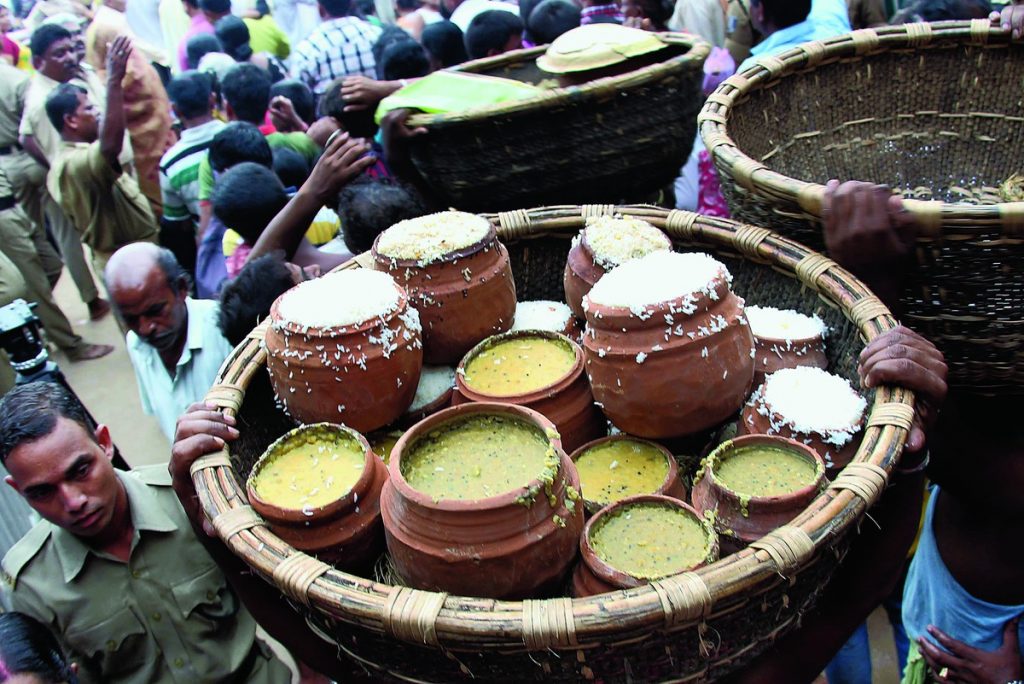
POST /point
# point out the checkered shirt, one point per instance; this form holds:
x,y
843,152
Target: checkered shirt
x,y
336,48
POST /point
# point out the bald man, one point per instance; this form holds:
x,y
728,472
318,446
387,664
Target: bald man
x,y
174,342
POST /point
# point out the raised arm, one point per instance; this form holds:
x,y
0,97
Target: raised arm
x,y
112,132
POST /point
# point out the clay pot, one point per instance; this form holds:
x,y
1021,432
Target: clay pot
x,y
661,388
741,520
348,532
593,575
581,273
345,373
462,298
567,402
443,401
772,354
496,547
672,486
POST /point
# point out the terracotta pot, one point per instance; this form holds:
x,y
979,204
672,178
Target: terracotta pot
x,y
672,486
567,402
443,401
772,354
462,298
741,520
495,547
661,388
348,532
593,575
344,373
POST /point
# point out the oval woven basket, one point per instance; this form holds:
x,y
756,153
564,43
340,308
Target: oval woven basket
x,y
621,138
696,625
934,110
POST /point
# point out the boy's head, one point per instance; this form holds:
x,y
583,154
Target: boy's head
x,y
550,19
301,97
769,16
236,143
215,9
247,198
388,37
198,46
333,9
233,34
246,91
405,59
72,114
246,300
359,124
445,45
191,95
368,207
291,167
493,32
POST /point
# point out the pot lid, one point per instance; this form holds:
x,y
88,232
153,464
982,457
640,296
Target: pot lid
x,y
595,46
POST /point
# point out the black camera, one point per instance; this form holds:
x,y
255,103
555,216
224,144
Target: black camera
x,y
21,339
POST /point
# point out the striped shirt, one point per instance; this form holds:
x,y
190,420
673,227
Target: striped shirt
x,y
179,172
337,48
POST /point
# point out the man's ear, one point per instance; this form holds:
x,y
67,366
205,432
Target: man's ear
x,y
102,435
70,123
229,111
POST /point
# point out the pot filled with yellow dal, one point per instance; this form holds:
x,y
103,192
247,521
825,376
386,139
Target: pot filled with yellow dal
x,y
619,466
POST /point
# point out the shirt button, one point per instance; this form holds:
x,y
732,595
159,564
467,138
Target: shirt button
x,y
157,616
136,574
210,595
179,663
111,645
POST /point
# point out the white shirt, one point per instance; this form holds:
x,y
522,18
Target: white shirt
x,y
464,13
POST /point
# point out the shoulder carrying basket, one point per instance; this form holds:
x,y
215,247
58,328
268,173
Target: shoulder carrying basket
x,y
693,626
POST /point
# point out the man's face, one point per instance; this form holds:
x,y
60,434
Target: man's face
x,y
153,310
67,478
86,119
60,61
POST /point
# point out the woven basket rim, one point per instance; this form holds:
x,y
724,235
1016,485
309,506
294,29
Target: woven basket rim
x,y
469,623
712,122
557,97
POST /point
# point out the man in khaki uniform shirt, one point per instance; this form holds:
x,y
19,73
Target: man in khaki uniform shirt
x,y
86,178
114,569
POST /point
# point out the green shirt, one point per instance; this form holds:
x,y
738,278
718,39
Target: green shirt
x,y
266,36
167,615
299,142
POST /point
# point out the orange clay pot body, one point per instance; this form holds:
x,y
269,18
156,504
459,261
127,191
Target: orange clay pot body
x,y
738,520
670,373
347,533
581,273
775,354
497,547
463,298
568,403
593,576
346,374
672,486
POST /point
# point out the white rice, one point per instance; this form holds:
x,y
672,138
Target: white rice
x,y
541,315
655,278
783,324
430,238
340,298
811,400
434,381
616,240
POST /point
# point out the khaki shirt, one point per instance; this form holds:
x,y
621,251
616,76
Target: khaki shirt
x,y
739,32
13,86
167,615
104,204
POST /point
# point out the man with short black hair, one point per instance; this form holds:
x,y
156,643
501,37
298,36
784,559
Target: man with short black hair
x,y
493,32
786,23
340,46
550,19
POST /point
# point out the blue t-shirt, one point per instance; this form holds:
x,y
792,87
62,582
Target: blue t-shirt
x,y
827,18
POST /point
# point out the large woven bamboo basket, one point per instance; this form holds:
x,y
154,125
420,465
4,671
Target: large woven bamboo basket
x,y
934,110
621,138
693,626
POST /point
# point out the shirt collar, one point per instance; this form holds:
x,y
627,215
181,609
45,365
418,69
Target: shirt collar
x,y
200,130
147,516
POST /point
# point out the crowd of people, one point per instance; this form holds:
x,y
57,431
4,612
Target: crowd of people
x,y
207,155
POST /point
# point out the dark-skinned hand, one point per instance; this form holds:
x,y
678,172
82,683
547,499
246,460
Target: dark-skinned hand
x,y
1011,19
963,664
118,52
343,159
360,92
902,357
201,430
284,117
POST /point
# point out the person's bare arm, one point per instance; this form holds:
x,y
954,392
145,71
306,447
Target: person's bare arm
x,y
28,142
361,92
112,131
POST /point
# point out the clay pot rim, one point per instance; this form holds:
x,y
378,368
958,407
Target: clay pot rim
x,y
332,331
530,397
455,414
672,474
701,302
778,441
449,257
611,575
293,515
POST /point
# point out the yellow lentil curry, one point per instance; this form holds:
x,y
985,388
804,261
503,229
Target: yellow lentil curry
x,y
650,540
312,472
477,458
614,470
765,471
382,445
518,366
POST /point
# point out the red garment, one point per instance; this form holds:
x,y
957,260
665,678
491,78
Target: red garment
x,y
11,48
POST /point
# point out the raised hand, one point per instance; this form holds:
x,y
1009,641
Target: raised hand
x,y
344,159
118,53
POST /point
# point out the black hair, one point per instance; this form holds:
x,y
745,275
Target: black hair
x,y
246,300
408,4
406,59
177,277
200,45
215,6
365,8
388,37
291,167
491,30
301,96
246,88
62,102
45,36
194,4
247,198
443,41
784,13
943,10
28,647
233,34
190,93
368,206
236,143
30,412
526,8
336,8
359,123
551,19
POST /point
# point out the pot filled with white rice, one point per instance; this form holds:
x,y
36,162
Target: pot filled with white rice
x,y
784,338
544,314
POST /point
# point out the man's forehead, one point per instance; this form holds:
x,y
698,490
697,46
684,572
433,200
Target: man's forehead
x,y
47,458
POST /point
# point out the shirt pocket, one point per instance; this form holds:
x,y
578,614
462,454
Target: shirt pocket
x,y
206,596
116,646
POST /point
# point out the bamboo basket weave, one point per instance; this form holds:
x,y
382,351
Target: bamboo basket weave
x,y
933,109
690,627
618,138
